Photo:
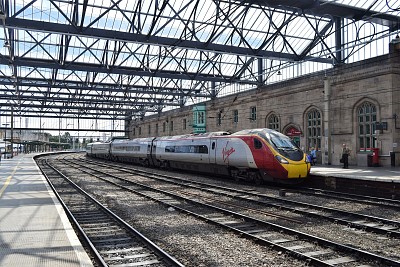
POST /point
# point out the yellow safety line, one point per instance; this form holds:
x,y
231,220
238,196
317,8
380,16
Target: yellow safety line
x,y
8,180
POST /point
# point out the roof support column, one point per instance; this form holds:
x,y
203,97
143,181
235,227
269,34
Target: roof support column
x,y
260,71
213,91
338,40
181,101
128,127
327,146
12,132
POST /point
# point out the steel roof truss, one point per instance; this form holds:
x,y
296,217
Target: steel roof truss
x,y
319,37
144,39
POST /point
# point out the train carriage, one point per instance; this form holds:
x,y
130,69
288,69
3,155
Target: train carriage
x,y
255,154
131,150
89,149
191,149
99,150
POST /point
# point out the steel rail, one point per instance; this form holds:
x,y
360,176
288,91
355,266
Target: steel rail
x,y
387,229
292,232
168,259
81,233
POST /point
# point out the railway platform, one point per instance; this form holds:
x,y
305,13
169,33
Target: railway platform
x,y
34,230
379,174
381,182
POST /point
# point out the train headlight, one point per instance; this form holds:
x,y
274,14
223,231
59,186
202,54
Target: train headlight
x,y
281,160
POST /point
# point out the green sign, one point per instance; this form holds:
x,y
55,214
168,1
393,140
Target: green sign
x,y
199,119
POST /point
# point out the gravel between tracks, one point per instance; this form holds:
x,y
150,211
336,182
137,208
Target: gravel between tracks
x,y
196,243
188,239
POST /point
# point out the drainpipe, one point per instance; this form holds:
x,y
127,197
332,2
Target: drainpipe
x,y
327,150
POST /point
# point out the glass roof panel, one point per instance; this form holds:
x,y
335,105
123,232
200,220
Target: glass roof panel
x,y
190,44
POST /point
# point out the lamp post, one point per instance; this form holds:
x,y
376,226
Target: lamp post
x,y
12,132
5,139
59,131
42,136
66,128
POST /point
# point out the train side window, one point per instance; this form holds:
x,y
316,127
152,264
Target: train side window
x,y
257,144
203,149
213,146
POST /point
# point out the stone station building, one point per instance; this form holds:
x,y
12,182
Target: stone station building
x,y
357,104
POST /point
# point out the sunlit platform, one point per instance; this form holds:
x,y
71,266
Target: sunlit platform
x,y
384,174
34,230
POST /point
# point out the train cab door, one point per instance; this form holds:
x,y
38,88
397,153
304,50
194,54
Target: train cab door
x,y
151,151
213,150
257,150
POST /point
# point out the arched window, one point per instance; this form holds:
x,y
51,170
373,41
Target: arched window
x,y
366,126
314,129
273,122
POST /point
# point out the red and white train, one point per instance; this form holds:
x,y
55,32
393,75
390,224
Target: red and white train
x,y
255,154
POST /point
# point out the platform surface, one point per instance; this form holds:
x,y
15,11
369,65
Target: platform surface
x,y
34,230
385,174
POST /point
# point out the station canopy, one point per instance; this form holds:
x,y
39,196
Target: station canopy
x,y
124,59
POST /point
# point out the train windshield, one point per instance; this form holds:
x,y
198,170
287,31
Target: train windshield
x,y
280,141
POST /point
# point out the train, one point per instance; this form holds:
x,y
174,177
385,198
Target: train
x,y
254,154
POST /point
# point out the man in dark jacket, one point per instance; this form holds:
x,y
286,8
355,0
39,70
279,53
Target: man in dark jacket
x,y
345,156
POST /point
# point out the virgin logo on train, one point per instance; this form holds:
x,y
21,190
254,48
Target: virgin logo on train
x,y
227,152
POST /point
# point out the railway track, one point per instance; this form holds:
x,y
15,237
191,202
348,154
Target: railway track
x,y
359,221
318,251
112,241
378,201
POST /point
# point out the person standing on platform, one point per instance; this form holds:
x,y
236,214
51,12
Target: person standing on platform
x,y
313,154
345,156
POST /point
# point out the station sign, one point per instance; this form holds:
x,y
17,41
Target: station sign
x,y
293,132
381,125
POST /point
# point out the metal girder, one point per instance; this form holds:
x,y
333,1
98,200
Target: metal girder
x,y
103,87
27,94
63,108
16,129
154,40
122,115
278,29
318,37
323,8
75,114
78,100
77,66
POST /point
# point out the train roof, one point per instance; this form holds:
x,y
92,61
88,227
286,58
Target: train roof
x,y
143,139
197,135
255,131
98,143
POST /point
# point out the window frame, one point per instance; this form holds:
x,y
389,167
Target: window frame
x,y
314,129
219,118
273,120
184,122
366,126
235,116
253,113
